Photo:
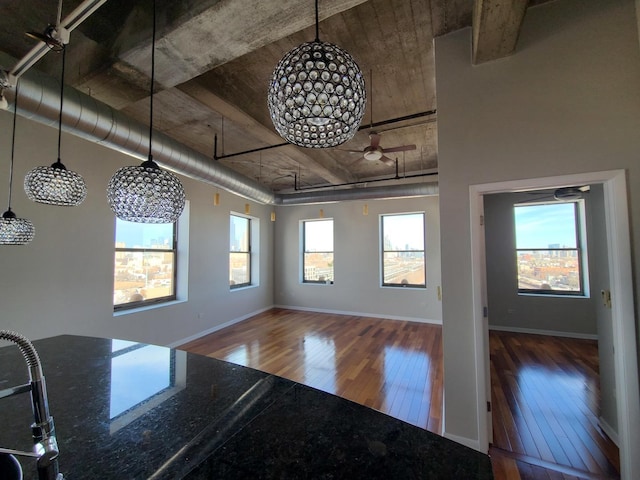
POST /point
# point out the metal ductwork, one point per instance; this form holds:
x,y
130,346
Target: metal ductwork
x,y
97,122
363,193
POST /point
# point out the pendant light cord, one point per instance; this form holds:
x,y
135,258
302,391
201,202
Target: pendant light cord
x,y
153,74
317,22
13,142
64,53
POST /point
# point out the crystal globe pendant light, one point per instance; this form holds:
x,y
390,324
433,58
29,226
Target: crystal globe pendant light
x,y
146,193
317,95
55,185
14,230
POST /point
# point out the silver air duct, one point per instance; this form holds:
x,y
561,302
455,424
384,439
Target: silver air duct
x,y
364,193
97,122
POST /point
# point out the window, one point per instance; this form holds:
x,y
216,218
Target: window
x,y
145,264
317,251
548,248
403,259
240,252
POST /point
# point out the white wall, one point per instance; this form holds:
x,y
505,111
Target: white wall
x,y
573,316
356,288
62,283
600,282
567,101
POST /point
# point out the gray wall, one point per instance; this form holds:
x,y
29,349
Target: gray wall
x,y
357,261
63,281
566,102
507,309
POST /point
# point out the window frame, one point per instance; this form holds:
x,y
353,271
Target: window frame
x,y
303,252
580,249
158,300
249,252
383,251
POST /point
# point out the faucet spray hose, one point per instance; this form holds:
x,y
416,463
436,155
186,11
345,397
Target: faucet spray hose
x,y
43,425
28,351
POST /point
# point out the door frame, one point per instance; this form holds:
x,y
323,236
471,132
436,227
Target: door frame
x,y
624,331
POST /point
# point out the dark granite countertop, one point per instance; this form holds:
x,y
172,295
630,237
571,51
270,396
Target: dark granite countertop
x,y
133,411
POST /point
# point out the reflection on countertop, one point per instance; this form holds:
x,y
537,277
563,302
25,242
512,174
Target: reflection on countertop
x,y
135,411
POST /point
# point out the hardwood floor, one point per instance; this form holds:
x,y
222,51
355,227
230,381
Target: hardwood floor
x,y
545,397
396,367
392,366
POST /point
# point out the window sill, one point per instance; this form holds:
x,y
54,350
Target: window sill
x,y
401,287
322,284
552,295
246,287
144,308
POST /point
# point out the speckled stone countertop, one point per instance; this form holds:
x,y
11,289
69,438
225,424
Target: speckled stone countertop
x,y
132,411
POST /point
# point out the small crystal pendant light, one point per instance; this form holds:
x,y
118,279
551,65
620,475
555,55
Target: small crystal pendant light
x,y
55,185
14,230
146,193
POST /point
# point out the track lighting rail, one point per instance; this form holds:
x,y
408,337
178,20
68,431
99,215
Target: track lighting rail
x,y
362,127
72,21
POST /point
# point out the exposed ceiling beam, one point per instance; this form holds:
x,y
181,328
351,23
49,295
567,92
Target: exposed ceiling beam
x,y
195,42
450,15
324,166
496,26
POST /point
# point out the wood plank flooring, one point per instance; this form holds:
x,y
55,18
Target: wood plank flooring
x,y
545,397
396,367
392,366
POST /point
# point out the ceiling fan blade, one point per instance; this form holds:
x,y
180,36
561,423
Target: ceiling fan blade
x,y
349,151
388,161
375,139
402,148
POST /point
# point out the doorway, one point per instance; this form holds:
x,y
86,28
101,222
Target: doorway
x,y
619,266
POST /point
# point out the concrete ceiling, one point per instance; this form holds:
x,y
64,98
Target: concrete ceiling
x,y
214,59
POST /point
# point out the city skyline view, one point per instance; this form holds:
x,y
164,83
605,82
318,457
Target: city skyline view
x,y
547,248
142,235
539,226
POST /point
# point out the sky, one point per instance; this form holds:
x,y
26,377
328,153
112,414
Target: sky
x,y
402,230
538,226
405,230
319,236
141,234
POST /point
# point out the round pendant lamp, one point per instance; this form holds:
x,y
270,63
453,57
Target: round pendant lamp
x,y
317,95
146,193
14,230
55,185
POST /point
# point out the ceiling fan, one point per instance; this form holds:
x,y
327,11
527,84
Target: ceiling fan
x,y
374,151
562,194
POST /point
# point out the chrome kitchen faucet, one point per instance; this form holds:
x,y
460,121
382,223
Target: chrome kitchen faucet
x,y
45,448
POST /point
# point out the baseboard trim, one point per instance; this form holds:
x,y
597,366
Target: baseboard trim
x,y
360,314
467,442
553,333
608,429
226,324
